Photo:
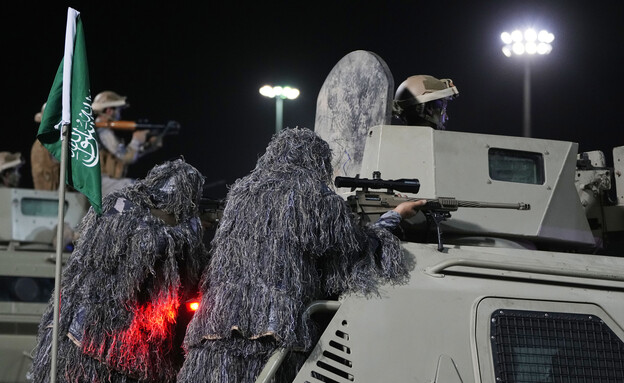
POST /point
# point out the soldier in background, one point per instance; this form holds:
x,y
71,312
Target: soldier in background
x,y
422,100
45,168
10,164
115,154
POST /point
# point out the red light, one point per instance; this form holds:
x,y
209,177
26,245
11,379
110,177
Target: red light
x,y
142,345
192,305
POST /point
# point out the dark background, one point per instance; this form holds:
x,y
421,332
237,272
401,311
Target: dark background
x,y
202,63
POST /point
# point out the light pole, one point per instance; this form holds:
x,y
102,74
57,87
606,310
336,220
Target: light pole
x,y
526,44
279,94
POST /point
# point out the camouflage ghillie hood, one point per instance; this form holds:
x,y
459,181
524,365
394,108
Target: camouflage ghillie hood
x,y
285,240
123,286
296,150
174,187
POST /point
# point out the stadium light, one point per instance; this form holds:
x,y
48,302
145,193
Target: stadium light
x,y
526,44
279,93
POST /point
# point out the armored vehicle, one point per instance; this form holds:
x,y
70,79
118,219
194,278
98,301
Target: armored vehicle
x,y
512,295
28,220
517,274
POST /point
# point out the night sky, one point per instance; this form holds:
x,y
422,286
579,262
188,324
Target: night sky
x,y
202,63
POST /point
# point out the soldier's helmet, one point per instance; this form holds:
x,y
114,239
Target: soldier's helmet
x,y
10,160
423,98
10,164
108,99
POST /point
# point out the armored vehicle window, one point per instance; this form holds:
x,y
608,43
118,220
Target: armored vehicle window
x,y
40,207
532,346
25,289
516,166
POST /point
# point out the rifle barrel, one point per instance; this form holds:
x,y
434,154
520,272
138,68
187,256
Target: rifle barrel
x,y
121,125
451,202
497,205
131,125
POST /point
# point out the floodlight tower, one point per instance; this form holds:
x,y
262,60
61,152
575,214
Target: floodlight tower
x,y
279,94
526,44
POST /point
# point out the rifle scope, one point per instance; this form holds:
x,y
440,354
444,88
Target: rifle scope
x,y
407,185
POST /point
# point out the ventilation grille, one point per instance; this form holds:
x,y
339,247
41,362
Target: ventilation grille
x,y
531,346
334,366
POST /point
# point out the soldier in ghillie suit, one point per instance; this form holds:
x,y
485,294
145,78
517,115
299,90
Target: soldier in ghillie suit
x,y
125,284
285,240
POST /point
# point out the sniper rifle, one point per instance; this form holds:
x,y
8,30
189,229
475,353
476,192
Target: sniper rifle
x,y
367,203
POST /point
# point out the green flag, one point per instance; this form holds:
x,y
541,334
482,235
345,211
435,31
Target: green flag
x,y
69,103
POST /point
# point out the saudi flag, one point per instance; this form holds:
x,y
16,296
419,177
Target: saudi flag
x,y
69,103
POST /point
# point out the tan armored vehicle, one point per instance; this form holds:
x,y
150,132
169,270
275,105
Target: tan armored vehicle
x,y
524,283
513,296
28,221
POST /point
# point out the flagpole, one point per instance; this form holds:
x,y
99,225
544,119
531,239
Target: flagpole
x,y
68,120
70,35
59,251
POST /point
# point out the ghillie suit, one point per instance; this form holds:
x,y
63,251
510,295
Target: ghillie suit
x,y
123,286
285,240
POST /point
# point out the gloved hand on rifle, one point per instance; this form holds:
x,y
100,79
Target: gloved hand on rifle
x,y
408,209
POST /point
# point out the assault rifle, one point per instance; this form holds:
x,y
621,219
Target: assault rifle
x,y
367,203
159,131
170,128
